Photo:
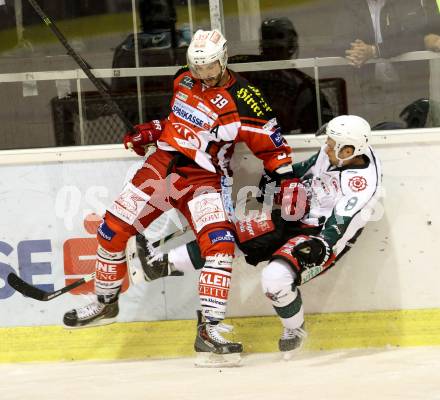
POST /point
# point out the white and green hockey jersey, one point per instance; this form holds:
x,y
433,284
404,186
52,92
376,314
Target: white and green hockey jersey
x,y
340,199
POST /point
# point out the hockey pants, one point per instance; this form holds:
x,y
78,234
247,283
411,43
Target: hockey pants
x,y
168,180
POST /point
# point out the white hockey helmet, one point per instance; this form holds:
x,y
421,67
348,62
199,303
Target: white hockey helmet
x,y
348,130
207,47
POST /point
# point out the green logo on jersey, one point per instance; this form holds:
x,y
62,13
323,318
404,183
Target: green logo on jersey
x,y
351,203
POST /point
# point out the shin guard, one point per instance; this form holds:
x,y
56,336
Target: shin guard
x,y
214,283
111,268
278,279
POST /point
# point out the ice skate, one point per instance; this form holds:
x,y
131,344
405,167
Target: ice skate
x,y
94,314
146,262
291,341
212,349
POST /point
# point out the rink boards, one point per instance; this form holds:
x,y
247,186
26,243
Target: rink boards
x,y
166,339
385,292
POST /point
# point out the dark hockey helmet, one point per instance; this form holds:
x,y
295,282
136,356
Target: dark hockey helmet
x,y
279,39
157,14
416,113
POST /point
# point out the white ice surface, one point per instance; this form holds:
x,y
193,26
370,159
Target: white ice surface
x,y
400,374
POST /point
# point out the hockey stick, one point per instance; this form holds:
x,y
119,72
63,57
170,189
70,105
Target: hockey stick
x,y
33,292
102,87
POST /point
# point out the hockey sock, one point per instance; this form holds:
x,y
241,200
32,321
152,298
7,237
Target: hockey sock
x,y
214,283
186,258
110,272
292,314
194,254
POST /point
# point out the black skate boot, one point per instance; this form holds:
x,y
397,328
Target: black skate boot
x,y
291,341
212,349
95,314
144,260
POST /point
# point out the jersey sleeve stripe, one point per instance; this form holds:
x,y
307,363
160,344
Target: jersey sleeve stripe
x,y
254,121
234,112
256,130
232,118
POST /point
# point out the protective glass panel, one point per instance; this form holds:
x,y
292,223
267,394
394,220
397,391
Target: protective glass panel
x,y
393,82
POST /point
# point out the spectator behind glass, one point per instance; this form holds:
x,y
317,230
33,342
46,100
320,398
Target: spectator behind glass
x,y
290,91
432,42
370,29
279,39
160,44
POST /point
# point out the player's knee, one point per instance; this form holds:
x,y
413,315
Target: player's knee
x,y
113,233
277,281
219,248
281,295
276,273
217,241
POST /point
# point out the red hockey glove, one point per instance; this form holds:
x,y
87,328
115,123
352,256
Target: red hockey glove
x,y
146,135
292,197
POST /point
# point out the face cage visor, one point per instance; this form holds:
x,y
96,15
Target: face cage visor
x,y
206,71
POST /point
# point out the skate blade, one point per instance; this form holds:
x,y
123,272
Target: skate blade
x,y
212,360
94,324
288,355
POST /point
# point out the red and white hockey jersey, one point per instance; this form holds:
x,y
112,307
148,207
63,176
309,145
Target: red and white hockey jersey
x,y
205,123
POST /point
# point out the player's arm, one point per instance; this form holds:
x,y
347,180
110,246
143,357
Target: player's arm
x,y
319,250
265,140
290,186
146,135
301,168
259,128
323,248
260,131
334,228
345,210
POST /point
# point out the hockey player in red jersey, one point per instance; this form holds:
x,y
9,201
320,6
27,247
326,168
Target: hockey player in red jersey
x,y
212,109
330,197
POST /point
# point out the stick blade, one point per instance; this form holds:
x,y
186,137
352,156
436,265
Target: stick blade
x,y
25,288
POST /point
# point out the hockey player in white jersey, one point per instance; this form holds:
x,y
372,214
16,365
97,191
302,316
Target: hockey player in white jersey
x,y
340,184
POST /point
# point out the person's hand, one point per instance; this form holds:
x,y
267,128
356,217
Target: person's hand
x,y
360,52
269,181
146,135
432,42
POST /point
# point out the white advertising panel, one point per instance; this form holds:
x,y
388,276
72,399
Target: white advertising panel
x,y
49,215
